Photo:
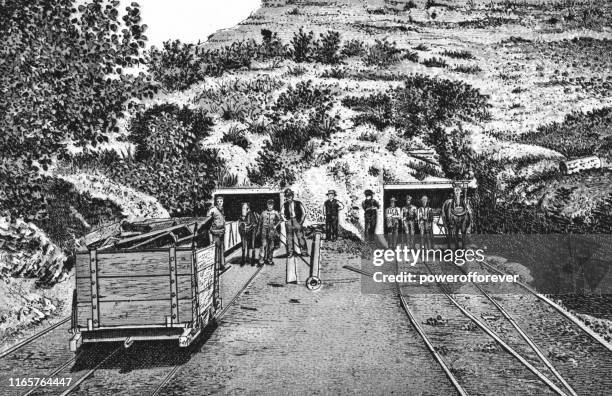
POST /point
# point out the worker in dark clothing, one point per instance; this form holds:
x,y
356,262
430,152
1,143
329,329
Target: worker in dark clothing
x,y
295,214
393,215
217,230
247,228
370,207
269,221
331,211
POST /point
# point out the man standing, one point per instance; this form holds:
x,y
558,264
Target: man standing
x,y
370,207
247,224
409,215
295,214
268,223
331,211
393,216
217,230
425,219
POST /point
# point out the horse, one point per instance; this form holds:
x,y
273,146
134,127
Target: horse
x,y
456,218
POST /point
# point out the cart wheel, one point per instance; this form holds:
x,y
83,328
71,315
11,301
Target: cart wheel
x,y
313,283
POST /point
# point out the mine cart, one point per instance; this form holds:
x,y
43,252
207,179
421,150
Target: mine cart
x,y
148,280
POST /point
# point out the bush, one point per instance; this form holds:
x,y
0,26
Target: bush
x,y
327,49
434,62
580,134
154,128
421,47
302,45
467,69
421,105
393,144
271,169
303,96
462,54
175,66
272,46
368,136
376,109
382,53
56,89
353,47
335,72
236,136
411,56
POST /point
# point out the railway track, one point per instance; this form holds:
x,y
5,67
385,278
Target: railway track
x,y
32,338
217,317
526,352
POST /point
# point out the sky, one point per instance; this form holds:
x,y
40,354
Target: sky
x,y
191,20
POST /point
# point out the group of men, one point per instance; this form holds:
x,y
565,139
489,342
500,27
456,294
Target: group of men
x,y
262,228
407,218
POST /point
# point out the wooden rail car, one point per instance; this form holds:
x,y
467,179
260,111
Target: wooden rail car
x,y
129,288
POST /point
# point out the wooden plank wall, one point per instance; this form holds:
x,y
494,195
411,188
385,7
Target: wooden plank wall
x,y
134,288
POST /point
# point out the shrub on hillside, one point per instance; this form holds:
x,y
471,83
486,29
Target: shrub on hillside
x,y
458,54
434,62
353,47
175,65
303,96
382,53
302,46
375,109
236,137
578,135
270,169
272,46
327,49
468,69
170,124
56,91
421,105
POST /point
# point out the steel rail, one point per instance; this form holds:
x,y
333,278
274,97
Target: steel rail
x,y
216,317
527,339
555,306
54,373
497,339
33,337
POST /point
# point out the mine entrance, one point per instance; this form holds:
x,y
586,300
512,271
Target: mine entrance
x,y
436,191
233,198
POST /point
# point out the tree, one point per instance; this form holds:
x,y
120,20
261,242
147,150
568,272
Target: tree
x,y
62,82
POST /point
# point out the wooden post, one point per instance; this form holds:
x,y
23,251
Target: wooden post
x,y
174,317
291,270
93,273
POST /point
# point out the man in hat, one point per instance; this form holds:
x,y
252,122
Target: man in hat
x,y
269,221
409,215
393,216
294,214
331,211
425,219
217,230
370,207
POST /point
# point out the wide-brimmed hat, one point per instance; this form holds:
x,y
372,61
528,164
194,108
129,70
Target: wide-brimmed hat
x,y
288,192
270,202
393,199
368,192
333,192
